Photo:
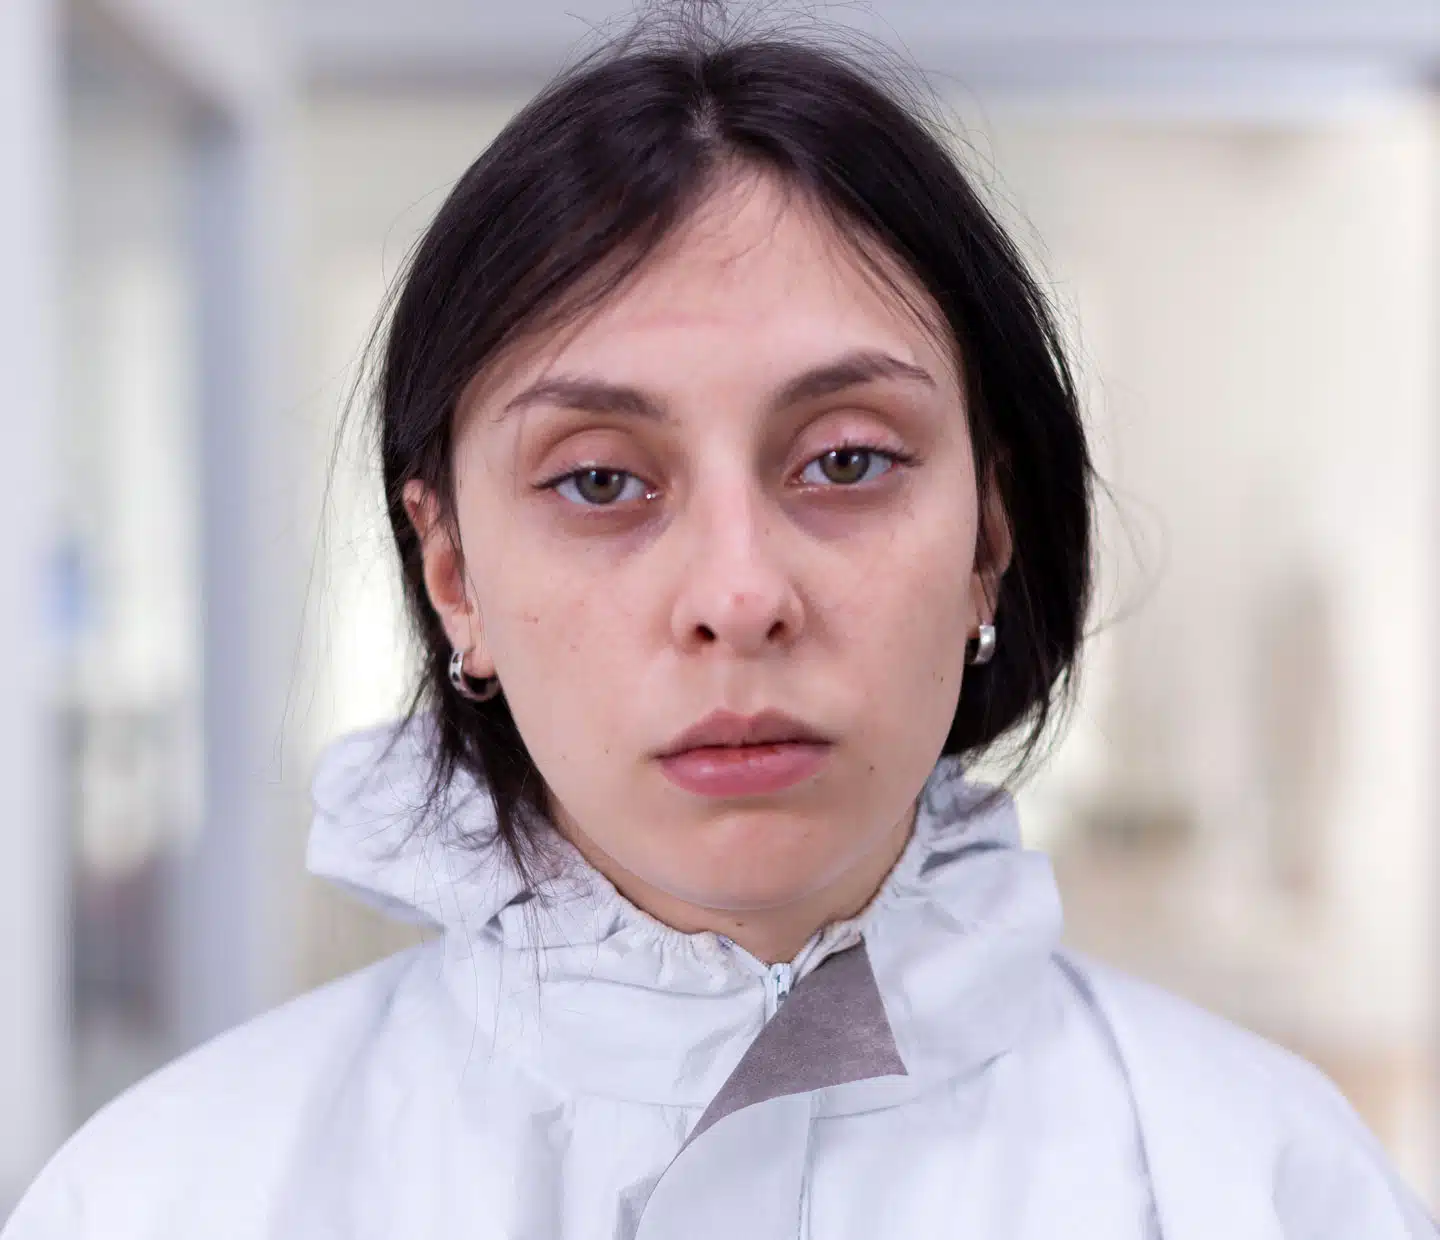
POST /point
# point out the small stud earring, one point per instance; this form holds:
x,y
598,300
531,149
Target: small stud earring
x,y
984,646
463,684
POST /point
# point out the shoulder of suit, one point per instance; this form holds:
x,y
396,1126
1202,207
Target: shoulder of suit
x,y
224,1109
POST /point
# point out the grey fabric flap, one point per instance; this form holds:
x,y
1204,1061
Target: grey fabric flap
x,y
830,1031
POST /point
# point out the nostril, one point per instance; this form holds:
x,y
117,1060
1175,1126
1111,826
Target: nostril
x,y
706,632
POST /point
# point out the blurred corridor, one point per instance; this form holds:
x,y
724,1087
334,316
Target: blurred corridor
x,y
1237,207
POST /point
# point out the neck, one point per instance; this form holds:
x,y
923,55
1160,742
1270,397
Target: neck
x,y
771,934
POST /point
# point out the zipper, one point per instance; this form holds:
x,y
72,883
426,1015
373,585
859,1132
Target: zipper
x,y
778,980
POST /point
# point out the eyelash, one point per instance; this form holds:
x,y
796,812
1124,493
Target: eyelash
x,y
896,457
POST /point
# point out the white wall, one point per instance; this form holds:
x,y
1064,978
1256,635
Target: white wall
x,y
232,71
233,890
32,904
1259,309
376,171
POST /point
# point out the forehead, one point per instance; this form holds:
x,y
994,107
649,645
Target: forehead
x,y
757,277
752,245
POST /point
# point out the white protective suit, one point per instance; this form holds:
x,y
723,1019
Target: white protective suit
x,y
938,1067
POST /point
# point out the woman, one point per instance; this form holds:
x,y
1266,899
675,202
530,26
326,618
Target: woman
x,y
741,496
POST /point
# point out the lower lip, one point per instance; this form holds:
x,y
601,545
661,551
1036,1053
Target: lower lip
x,y
744,770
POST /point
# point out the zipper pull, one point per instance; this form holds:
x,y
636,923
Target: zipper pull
x,y
781,978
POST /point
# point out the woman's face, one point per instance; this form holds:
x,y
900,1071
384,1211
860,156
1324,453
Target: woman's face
x,y
743,484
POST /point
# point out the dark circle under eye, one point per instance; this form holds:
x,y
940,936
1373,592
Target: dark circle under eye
x,y
600,486
844,465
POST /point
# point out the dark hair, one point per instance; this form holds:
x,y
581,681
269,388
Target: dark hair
x,y
585,182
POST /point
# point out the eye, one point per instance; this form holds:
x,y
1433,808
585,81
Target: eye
x,y
598,487
852,463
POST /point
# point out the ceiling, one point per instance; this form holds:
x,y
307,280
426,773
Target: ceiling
x,y
991,46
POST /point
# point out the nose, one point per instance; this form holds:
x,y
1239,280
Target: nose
x,y
735,592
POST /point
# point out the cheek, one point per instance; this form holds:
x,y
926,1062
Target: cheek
x,y
562,640
540,606
561,628
915,629
907,622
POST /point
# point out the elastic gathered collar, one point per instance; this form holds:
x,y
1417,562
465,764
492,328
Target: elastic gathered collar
x,y
372,836
957,942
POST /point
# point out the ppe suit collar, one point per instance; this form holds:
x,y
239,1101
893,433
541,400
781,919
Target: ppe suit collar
x,y
957,943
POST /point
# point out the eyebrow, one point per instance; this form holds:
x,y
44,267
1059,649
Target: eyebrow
x,y
850,370
597,396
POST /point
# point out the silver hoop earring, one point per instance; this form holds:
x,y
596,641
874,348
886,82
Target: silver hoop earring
x,y
984,646
489,686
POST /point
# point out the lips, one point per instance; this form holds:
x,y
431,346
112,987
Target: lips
x,y
726,729
729,756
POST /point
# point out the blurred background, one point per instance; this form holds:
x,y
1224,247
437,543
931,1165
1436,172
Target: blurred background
x,y
1235,203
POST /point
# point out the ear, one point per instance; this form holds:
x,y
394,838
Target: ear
x,y
993,551
445,580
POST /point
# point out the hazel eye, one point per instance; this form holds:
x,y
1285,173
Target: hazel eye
x,y
850,464
598,487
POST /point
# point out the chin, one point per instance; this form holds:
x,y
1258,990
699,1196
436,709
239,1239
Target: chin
x,y
742,900
763,875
